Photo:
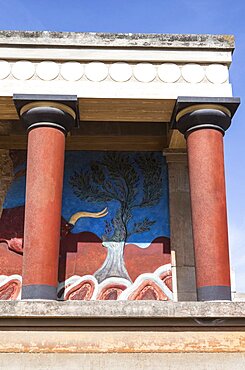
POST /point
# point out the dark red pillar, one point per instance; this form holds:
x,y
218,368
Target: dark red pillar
x,y
209,216
47,123
204,127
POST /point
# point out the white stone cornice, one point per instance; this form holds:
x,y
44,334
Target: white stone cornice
x,y
119,54
109,66
118,72
115,80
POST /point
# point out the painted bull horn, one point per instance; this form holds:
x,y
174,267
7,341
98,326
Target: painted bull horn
x,y
78,215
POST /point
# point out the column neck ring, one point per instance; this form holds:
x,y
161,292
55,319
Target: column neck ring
x,y
47,124
204,126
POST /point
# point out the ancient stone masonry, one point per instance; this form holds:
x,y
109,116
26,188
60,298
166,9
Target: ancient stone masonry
x,y
180,224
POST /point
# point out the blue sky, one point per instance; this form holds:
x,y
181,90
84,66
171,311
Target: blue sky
x,y
159,16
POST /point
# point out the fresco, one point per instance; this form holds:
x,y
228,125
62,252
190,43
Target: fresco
x,y
114,228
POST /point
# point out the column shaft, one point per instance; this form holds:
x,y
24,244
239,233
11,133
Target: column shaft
x,y
45,166
209,215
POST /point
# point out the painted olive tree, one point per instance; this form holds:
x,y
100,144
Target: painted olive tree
x,y
133,182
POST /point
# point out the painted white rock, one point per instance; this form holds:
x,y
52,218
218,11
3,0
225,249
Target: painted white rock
x,y
23,70
72,71
120,72
144,72
96,71
169,72
4,69
193,73
217,73
47,71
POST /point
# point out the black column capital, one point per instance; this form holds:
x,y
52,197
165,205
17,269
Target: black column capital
x,y
58,111
194,113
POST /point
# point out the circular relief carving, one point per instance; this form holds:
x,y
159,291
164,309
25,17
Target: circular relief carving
x,y
120,71
72,71
96,71
169,72
193,73
144,72
217,73
23,70
4,69
47,71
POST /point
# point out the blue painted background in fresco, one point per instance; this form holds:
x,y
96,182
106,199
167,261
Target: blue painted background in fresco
x,y
16,193
75,161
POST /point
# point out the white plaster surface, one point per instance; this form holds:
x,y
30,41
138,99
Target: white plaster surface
x,y
193,73
23,70
217,73
115,80
4,69
110,89
169,72
116,54
72,71
96,71
48,70
120,72
144,72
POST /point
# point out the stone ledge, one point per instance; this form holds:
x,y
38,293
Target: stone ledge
x,y
121,309
91,39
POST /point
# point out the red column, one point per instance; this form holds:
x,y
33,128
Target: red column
x,y
48,119
45,163
209,216
204,124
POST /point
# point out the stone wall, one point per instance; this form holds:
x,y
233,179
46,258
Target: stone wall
x,y
181,227
116,361
116,335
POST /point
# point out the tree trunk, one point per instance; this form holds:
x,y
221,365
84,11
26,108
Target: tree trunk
x,y
114,263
